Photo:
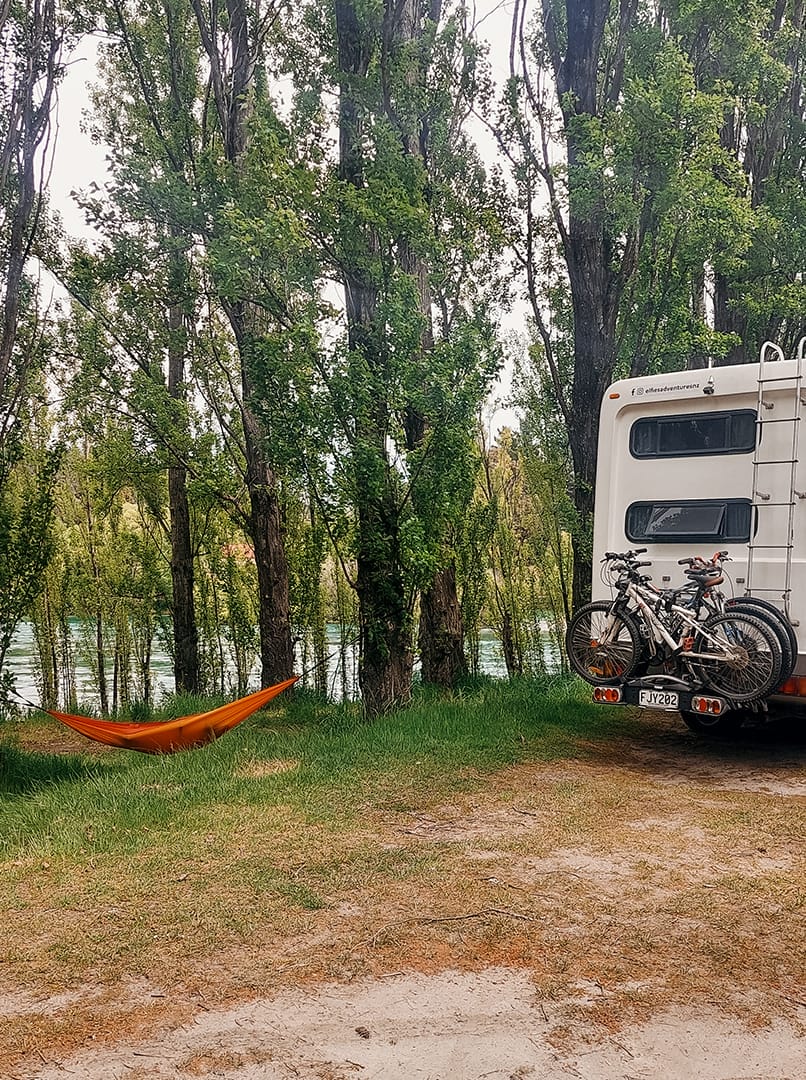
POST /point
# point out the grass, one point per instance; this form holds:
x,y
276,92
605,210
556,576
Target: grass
x,y
510,824
281,814
322,760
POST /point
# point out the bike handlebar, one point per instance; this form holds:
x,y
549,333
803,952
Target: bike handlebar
x,y
700,562
626,556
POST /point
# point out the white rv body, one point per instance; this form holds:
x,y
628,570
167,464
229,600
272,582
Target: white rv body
x,y
678,485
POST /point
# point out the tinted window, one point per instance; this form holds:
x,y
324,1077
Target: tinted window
x,y
687,521
695,434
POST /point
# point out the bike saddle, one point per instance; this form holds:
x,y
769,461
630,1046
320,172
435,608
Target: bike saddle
x,y
709,576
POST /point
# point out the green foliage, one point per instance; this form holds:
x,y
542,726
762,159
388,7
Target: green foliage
x,y
240,625
686,207
751,56
105,590
26,544
527,512
400,220
682,144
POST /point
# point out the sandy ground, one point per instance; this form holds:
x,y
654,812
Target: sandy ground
x,y
474,1025
453,1026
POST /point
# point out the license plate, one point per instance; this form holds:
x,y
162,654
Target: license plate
x,y
658,699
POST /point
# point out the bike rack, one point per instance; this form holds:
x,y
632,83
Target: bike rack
x,y
631,687
662,682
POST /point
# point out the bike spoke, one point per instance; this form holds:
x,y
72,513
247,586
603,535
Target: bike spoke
x,y
601,645
750,666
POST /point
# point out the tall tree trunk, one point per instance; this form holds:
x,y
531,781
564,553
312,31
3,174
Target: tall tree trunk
x,y
51,688
595,282
24,125
100,656
441,631
729,319
594,357
233,93
386,660
442,637
265,522
513,657
266,530
185,630
385,657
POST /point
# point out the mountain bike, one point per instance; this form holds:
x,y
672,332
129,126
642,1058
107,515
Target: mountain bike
x,y
706,575
732,652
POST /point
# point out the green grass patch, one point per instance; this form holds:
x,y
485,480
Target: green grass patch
x,y
323,760
114,857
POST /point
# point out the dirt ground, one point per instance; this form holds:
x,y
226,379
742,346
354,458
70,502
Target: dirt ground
x,y
605,976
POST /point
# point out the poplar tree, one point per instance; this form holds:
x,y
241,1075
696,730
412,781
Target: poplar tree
x,y
623,194
412,392
30,45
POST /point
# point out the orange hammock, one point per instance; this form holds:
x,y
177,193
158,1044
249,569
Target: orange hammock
x,y
167,736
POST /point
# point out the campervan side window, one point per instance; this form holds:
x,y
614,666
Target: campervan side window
x,y
690,521
728,432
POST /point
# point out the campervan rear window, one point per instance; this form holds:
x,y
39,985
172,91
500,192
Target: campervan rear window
x,y
689,521
726,432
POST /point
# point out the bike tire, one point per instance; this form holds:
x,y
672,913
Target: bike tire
x,y
603,663
763,609
757,668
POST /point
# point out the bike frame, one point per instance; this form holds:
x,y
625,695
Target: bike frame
x,y
659,633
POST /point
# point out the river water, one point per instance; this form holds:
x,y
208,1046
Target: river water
x,y
20,662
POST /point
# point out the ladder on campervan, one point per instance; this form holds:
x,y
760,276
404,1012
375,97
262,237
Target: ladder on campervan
x,y
772,474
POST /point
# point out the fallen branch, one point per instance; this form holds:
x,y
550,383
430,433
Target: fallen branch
x,y
429,920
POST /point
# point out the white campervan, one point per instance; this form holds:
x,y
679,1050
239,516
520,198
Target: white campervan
x,y
699,461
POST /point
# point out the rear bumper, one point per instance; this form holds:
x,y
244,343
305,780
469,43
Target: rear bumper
x,y
662,693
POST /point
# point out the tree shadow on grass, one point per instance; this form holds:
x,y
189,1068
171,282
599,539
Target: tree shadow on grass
x,y
22,771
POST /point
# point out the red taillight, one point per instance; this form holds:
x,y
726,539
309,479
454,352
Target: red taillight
x,y
713,706
607,695
796,686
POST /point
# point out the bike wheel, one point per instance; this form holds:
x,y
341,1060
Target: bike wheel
x,y
603,645
763,609
751,665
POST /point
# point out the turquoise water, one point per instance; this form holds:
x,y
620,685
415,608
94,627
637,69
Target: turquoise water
x,y
20,662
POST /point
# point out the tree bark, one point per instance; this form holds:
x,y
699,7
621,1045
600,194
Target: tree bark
x,y
595,284
185,631
233,93
442,636
385,657
386,661
729,319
